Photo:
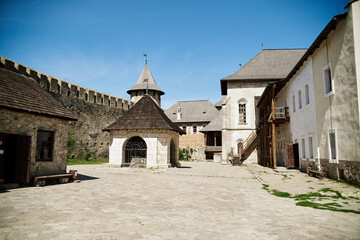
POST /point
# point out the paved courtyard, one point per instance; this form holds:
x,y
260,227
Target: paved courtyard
x,y
198,201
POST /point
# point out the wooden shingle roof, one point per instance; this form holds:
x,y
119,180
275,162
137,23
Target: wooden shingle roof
x,y
22,93
145,114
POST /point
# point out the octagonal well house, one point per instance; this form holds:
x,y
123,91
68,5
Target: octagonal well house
x,y
144,136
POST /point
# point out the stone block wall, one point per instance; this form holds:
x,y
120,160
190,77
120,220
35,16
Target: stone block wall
x,y
14,122
87,131
348,171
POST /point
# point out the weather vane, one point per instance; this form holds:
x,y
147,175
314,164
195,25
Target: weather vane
x,y
145,58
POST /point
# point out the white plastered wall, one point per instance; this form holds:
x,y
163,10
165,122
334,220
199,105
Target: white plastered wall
x,y
157,143
302,121
232,130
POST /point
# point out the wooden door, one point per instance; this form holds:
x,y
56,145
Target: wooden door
x,y
291,161
22,164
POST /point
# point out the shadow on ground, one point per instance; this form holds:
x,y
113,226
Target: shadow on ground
x,y
184,167
85,177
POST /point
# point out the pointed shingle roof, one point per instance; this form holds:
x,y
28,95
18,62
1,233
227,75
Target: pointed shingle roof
x,y
145,114
22,93
141,83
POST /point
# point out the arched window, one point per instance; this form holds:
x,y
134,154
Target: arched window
x,y
135,150
242,111
240,147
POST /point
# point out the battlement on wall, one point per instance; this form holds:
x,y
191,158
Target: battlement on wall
x,y
64,88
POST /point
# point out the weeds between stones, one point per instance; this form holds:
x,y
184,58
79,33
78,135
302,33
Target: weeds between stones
x,y
309,199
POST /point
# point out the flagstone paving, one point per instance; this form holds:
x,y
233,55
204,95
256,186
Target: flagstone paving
x,y
203,201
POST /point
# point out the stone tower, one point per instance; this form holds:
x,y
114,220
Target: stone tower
x,y
146,85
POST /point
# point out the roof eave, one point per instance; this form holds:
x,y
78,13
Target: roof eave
x,y
322,36
40,113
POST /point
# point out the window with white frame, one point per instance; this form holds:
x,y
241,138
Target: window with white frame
x,y
328,82
303,151
299,99
307,96
293,103
332,145
311,151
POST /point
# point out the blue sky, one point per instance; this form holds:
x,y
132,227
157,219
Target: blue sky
x,y
190,45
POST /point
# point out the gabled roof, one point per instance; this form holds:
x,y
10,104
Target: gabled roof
x,y
215,125
192,111
145,114
145,81
269,64
22,93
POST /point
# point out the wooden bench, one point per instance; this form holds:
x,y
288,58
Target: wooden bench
x,y
318,174
60,178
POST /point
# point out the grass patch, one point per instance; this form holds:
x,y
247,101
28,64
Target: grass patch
x,y
327,206
285,176
312,199
81,161
281,194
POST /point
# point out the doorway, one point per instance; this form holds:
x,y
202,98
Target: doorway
x,y
172,154
135,152
296,155
15,158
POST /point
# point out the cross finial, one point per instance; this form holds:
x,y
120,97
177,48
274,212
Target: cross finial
x,y
145,55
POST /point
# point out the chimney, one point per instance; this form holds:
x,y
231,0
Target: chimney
x,y
178,113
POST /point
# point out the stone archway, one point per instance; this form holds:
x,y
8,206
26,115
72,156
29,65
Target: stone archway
x,y
135,152
172,153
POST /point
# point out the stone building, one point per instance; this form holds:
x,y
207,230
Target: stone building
x,y
242,91
213,139
33,130
146,85
322,92
192,117
144,136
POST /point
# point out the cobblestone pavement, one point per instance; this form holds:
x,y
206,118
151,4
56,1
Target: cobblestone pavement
x,y
199,201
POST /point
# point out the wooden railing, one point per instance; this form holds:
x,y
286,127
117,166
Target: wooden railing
x,y
281,113
248,141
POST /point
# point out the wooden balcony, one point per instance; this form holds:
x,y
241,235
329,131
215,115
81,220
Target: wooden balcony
x,y
281,114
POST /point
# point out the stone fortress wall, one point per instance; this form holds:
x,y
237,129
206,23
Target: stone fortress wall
x,y
93,109
66,89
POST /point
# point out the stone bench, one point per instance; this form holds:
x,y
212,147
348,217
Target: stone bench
x,y
60,178
318,174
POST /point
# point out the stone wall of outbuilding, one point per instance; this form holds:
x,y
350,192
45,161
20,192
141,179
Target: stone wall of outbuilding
x,y
157,143
27,124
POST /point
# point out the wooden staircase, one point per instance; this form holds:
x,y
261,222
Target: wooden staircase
x,y
250,144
